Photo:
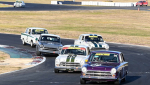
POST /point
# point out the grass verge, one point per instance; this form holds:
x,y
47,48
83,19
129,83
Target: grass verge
x,y
123,26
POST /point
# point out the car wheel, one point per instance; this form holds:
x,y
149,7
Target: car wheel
x,y
82,81
56,71
118,81
14,6
32,45
146,5
23,42
124,79
37,52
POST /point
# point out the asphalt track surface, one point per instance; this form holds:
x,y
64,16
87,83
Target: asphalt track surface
x,y
43,74
49,7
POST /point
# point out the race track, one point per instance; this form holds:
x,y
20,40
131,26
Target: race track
x,y
49,7
138,58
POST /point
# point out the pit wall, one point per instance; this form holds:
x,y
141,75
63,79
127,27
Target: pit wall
x,y
98,3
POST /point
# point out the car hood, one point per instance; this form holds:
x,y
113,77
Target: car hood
x,y
97,44
37,36
101,66
51,44
68,58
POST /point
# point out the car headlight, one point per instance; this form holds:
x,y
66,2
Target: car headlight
x,y
57,61
41,46
113,71
82,62
84,70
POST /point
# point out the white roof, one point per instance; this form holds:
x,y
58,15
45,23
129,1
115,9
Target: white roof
x,y
49,35
90,34
35,28
81,46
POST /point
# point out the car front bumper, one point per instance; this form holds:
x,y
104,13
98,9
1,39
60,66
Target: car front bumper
x,y
49,51
68,68
92,78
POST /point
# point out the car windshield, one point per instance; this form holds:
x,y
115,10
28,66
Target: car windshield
x,y
73,50
50,38
39,31
94,38
104,57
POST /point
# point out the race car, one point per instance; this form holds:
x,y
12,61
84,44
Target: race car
x,y
19,3
72,58
49,44
93,41
31,35
105,66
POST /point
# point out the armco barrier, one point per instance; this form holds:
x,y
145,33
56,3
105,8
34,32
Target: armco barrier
x,y
129,4
53,2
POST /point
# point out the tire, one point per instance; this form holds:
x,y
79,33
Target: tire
x,y
23,42
31,44
82,81
56,70
37,52
124,79
146,5
14,6
118,81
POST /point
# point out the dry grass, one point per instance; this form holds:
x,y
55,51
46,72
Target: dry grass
x,y
7,64
125,26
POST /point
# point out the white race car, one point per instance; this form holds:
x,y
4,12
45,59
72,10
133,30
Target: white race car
x,y
72,58
19,3
93,41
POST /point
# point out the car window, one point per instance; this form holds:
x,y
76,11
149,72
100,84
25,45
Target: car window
x,y
39,31
94,39
122,58
104,57
82,37
50,38
27,30
74,50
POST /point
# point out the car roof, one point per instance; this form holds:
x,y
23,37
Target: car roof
x,y
90,34
106,51
50,35
35,28
81,46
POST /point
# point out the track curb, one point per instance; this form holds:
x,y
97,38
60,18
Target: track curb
x,y
37,60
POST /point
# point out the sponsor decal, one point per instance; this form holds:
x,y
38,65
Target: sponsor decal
x,y
103,54
93,36
39,30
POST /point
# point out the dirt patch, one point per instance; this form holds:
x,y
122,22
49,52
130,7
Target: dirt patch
x,y
8,64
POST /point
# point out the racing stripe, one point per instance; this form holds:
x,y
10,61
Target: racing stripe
x,y
73,58
68,59
100,45
95,44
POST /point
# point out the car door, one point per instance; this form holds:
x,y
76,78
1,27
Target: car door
x,y
28,36
24,35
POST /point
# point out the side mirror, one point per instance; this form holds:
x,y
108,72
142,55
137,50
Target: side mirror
x,y
86,60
